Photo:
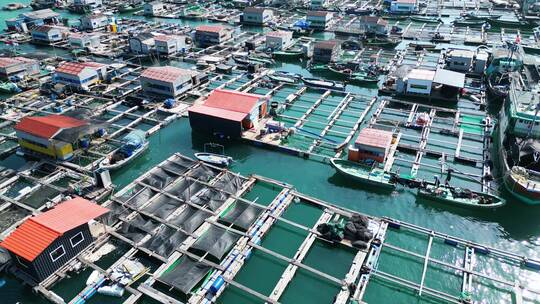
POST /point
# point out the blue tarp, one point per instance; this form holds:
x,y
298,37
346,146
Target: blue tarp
x,y
303,24
132,141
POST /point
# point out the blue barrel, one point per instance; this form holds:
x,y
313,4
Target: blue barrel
x,y
217,285
101,132
69,102
169,103
85,143
57,109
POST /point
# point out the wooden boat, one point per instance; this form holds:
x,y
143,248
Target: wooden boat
x,y
478,16
283,77
425,19
364,174
508,22
134,145
469,22
289,54
318,68
460,197
363,78
13,6
129,7
326,84
220,160
382,42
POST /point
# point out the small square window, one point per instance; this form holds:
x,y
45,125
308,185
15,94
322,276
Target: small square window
x,y
57,253
76,239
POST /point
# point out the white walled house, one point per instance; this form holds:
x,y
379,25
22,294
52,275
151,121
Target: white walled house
x,y
319,19
154,8
48,34
168,81
257,15
208,35
142,44
93,22
420,81
18,66
170,44
278,40
84,40
80,75
403,6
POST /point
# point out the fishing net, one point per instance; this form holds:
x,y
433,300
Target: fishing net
x,y
185,275
138,227
216,241
229,182
163,206
203,173
210,197
165,241
137,196
184,188
190,219
115,211
242,215
177,165
159,178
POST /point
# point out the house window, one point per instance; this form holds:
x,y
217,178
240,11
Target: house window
x,y
57,253
77,239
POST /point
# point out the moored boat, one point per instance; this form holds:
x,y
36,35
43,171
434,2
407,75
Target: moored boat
x,y
469,22
220,160
289,54
134,145
364,173
425,19
460,197
283,77
326,84
382,42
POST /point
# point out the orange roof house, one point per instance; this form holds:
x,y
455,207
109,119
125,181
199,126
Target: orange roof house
x,y
47,241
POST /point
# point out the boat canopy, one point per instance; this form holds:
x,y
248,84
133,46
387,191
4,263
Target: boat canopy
x,y
133,140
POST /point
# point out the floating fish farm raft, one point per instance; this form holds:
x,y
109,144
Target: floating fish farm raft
x,y
201,230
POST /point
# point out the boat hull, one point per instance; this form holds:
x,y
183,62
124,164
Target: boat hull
x,y
499,202
364,178
126,161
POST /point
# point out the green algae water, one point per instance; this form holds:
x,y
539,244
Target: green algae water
x,y
514,227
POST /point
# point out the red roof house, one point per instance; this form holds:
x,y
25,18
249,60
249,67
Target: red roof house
x,y
227,112
371,144
47,126
47,241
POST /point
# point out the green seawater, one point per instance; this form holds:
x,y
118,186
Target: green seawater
x,y
514,227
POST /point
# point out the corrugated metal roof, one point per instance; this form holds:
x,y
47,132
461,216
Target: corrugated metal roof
x,y
29,240
216,112
9,61
75,68
167,73
374,138
70,214
37,233
210,28
47,126
232,101
449,78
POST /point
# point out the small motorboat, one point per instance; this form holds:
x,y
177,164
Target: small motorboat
x,y
367,175
326,84
220,160
135,144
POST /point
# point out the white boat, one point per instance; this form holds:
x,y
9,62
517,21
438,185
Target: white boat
x,y
134,145
221,160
